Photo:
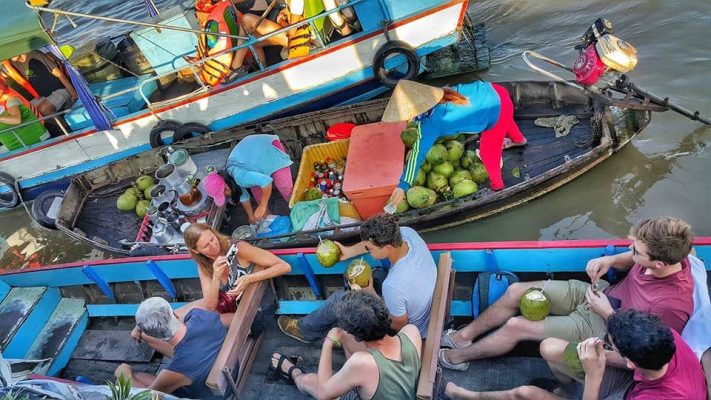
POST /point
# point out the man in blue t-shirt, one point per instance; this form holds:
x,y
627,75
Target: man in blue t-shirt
x,y
192,345
407,290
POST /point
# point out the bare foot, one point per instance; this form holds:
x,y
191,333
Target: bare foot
x,y
451,390
125,370
508,143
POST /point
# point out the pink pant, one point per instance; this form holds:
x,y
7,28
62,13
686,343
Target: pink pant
x,y
282,180
492,140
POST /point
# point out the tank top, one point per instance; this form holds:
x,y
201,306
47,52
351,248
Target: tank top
x,y
398,379
236,271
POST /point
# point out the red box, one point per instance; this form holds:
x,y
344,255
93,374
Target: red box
x,y
375,161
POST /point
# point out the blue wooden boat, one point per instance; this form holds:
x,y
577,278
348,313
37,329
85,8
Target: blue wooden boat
x,y
61,311
339,70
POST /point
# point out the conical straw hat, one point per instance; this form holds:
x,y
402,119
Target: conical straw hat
x,y
411,99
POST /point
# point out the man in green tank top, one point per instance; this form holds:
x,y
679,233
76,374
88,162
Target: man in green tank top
x,y
378,366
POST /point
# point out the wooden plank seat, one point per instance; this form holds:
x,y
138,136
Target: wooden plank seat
x,y
439,313
231,368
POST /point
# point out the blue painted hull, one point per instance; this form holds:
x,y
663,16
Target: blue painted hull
x,y
519,257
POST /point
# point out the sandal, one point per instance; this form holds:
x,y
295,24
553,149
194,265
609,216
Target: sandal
x,y
279,372
234,74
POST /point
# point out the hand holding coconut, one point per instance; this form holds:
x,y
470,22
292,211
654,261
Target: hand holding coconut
x,y
599,303
592,356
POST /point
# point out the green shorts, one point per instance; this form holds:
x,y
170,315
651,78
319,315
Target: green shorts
x,y
570,318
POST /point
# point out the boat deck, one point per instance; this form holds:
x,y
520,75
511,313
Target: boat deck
x,y
107,345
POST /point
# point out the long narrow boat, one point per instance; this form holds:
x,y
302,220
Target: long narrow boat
x,y
544,164
339,71
79,315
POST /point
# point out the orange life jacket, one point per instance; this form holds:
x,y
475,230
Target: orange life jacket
x,y
16,76
222,19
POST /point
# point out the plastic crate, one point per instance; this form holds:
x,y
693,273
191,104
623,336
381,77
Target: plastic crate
x,y
319,152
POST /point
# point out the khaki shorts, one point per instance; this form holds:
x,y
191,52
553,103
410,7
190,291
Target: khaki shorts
x,y
58,99
615,384
570,318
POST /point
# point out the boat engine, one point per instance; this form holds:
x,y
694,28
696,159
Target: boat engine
x,y
601,52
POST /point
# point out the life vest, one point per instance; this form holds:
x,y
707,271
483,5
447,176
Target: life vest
x,y
20,79
30,134
222,19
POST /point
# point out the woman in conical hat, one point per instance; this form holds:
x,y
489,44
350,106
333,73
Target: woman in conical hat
x,y
466,108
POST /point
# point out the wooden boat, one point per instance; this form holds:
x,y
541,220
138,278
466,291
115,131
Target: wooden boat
x,y
79,315
338,71
544,164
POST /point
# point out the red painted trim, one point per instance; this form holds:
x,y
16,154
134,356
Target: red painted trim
x,y
462,13
252,79
507,245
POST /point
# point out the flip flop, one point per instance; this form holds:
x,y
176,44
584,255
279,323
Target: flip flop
x,y
279,372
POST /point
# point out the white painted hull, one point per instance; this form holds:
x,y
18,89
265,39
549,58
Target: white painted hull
x,y
273,90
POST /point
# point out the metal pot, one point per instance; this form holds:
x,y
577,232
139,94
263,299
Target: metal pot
x,y
161,194
163,232
169,176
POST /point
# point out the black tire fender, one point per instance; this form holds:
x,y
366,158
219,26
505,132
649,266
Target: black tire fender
x,y
166,125
41,206
190,130
12,198
390,48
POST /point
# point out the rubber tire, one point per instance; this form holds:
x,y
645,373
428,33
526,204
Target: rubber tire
x,y
166,125
388,49
190,130
41,205
11,199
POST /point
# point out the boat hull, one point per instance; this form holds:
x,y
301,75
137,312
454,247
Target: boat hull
x,y
331,76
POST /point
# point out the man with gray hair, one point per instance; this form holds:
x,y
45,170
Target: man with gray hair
x,y
192,346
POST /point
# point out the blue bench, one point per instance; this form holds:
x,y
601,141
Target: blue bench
x,y
122,105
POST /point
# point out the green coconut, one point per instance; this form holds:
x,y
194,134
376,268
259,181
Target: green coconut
x,y
312,194
420,197
459,175
328,253
143,182
479,174
409,137
463,188
126,202
437,154
445,169
535,305
142,207
468,159
572,360
421,178
147,192
455,150
436,182
426,167
402,207
359,272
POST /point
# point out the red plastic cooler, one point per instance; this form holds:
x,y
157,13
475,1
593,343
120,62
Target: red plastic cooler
x,y
375,160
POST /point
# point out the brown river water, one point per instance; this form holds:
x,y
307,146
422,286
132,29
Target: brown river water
x,y
662,172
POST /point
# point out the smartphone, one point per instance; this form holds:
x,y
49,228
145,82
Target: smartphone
x,y
231,253
614,302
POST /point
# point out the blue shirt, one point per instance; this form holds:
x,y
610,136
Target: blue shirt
x,y
448,119
410,283
195,354
253,160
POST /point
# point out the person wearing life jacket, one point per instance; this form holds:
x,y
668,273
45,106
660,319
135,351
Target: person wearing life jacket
x,y
44,74
300,37
14,111
222,17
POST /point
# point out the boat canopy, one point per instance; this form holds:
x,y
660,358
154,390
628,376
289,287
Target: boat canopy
x,y
21,31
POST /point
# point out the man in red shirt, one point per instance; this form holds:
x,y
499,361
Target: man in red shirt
x,y
665,368
659,282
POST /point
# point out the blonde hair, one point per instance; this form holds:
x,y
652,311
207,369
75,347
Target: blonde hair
x,y
452,96
191,237
668,239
